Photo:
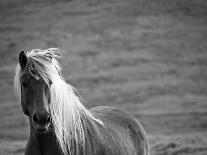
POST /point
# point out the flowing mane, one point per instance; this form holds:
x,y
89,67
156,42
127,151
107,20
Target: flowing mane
x,y
67,112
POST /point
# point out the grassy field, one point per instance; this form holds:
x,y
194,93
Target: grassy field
x,y
146,57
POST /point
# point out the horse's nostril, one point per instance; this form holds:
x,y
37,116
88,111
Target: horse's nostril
x,y
41,118
35,118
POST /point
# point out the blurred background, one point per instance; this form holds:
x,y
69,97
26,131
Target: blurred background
x,y
147,57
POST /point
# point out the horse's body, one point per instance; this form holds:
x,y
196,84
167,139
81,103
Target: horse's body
x,y
120,135
98,131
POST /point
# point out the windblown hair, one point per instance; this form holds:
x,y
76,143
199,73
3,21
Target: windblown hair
x,y
67,112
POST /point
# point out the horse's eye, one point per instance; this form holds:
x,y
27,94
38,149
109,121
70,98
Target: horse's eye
x,y
50,83
33,72
24,84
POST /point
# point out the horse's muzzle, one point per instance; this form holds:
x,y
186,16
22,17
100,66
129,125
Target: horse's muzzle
x,y
41,122
42,128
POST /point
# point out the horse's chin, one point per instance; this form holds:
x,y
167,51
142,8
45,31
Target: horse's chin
x,y
42,128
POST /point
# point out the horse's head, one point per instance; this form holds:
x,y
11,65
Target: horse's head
x,y
35,96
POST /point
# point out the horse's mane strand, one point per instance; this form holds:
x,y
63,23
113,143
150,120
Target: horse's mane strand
x,y
67,112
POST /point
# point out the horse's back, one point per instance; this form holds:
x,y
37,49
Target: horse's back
x,y
126,135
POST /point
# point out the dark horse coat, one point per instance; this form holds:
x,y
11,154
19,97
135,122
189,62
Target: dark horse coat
x,y
60,124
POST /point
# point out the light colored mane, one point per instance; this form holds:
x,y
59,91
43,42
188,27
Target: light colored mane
x,y
67,112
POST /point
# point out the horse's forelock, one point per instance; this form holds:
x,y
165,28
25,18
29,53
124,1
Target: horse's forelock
x,y
43,62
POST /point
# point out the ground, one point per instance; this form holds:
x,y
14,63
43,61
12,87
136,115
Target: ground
x,y
146,57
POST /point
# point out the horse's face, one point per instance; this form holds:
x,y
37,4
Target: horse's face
x,y
35,99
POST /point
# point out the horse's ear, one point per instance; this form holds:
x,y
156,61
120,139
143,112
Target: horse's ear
x,y
22,59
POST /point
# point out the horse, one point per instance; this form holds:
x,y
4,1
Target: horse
x,y
59,123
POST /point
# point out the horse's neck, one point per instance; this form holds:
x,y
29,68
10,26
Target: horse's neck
x,y
42,144
48,143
